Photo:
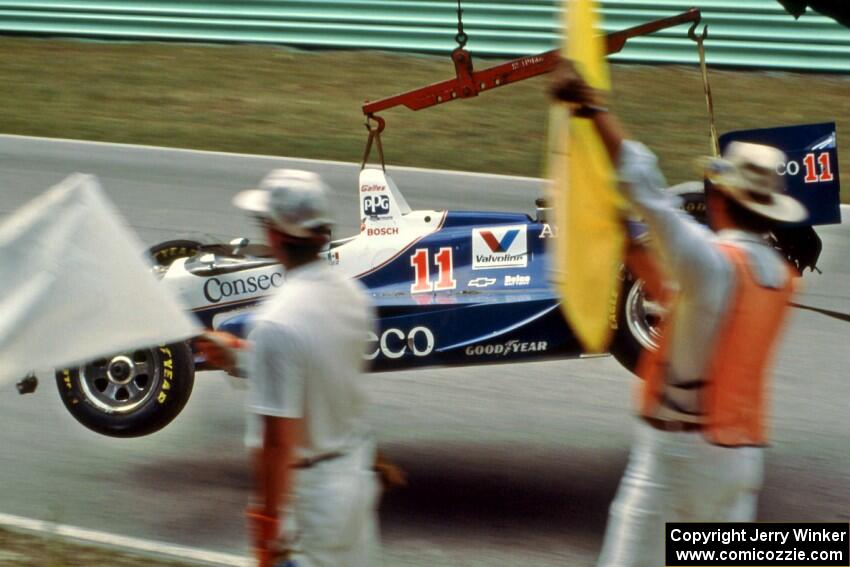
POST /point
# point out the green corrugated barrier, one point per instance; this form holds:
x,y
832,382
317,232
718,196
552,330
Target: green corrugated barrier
x,y
752,33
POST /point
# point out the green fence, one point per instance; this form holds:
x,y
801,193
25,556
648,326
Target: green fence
x,y
741,33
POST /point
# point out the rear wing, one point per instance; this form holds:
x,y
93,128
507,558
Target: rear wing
x,y
811,172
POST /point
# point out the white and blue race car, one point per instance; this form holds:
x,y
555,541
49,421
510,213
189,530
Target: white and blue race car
x,y
451,288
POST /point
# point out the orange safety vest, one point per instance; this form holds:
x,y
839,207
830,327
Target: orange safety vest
x,y
734,393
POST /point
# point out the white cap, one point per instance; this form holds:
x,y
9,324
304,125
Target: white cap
x,y
748,173
295,201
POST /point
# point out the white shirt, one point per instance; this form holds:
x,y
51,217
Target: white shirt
x,y
307,358
690,255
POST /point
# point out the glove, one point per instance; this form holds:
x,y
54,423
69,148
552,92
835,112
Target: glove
x,y
219,349
263,530
569,86
390,475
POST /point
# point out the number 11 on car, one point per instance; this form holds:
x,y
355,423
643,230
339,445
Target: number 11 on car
x,y
422,274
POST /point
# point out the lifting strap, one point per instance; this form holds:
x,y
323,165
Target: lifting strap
x,y
709,102
374,136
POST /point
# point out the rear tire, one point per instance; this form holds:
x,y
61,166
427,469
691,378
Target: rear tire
x,y
638,321
129,394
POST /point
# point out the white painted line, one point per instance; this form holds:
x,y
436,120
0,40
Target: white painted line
x,y
267,157
123,543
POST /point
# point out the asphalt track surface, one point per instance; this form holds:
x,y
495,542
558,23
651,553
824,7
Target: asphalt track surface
x,y
508,465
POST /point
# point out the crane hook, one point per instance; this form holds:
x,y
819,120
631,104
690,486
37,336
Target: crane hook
x,y
692,33
461,38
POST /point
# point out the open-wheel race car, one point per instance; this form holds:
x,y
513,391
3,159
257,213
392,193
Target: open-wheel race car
x,y
451,288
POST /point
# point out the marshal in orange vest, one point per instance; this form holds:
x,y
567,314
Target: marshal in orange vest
x,y
734,395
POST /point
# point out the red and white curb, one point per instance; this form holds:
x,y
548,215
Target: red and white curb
x,y
122,543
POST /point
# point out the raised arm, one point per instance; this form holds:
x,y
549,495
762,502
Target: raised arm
x,y
686,247
568,86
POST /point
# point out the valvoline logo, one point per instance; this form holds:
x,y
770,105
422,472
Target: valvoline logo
x,y
496,244
499,247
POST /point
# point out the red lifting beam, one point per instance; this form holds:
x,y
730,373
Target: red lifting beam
x,y
469,83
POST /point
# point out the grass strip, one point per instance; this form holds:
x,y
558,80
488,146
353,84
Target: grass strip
x,y
29,550
277,101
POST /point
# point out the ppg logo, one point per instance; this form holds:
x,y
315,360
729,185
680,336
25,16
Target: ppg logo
x,y
376,205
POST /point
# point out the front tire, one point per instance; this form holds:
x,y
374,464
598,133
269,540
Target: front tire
x,y
164,253
129,394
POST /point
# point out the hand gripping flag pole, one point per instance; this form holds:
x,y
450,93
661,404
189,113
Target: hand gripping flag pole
x,y
589,252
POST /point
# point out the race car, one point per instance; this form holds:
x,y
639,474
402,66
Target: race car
x,y
451,288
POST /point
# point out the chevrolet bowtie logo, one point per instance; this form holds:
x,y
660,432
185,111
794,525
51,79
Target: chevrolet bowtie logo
x,y
481,282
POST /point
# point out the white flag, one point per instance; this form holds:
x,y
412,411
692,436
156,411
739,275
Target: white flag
x,y
75,285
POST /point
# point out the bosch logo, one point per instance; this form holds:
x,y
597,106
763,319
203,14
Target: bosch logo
x,y
215,289
507,348
383,231
395,343
376,205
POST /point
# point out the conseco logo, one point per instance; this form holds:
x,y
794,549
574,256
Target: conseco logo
x,y
507,348
395,343
215,289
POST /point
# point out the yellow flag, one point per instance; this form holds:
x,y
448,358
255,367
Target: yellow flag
x,y
591,239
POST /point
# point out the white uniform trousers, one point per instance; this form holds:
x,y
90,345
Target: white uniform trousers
x,y
335,506
677,477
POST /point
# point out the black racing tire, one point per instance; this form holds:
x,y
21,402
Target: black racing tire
x,y
129,394
636,324
636,329
164,253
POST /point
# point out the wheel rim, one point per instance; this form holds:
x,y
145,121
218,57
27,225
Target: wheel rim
x,y
643,317
123,382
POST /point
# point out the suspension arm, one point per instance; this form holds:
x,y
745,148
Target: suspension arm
x,y
469,83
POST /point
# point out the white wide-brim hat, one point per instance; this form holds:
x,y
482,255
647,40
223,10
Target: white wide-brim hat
x,y
748,173
294,201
